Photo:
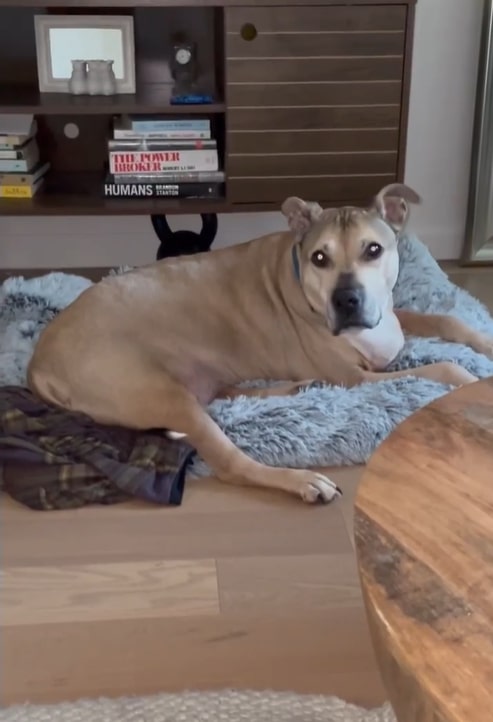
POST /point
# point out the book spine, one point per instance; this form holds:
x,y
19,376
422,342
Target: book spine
x,y
15,166
156,125
15,179
162,161
164,190
16,191
146,144
125,133
10,154
24,179
9,141
217,176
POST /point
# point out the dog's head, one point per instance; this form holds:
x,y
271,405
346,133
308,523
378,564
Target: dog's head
x,y
347,258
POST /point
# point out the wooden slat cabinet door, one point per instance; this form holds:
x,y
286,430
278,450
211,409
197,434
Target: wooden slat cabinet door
x,y
314,98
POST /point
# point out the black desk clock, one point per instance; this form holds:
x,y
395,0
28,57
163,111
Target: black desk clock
x,y
184,62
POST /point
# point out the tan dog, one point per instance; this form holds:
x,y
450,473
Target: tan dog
x,y
151,348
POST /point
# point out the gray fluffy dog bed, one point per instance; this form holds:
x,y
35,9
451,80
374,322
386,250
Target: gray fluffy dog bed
x,y
230,705
318,427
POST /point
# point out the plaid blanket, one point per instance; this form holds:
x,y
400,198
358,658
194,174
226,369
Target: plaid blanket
x,y
55,459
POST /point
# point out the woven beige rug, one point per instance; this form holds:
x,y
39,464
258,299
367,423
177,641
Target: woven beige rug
x,y
201,707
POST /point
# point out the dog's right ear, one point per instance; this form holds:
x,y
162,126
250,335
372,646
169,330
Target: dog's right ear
x,y
300,214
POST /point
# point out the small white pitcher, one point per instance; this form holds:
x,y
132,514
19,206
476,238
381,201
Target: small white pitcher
x,y
100,77
108,79
77,84
94,79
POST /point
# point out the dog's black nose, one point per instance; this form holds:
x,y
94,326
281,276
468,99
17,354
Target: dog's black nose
x,y
347,301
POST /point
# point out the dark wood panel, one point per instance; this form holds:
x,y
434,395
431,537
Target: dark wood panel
x,y
294,45
278,141
255,166
87,152
368,93
296,70
331,190
317,18
301,118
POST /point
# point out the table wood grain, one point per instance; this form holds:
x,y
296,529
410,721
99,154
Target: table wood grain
x,y
424,539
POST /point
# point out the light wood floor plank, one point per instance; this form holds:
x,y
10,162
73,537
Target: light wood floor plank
x,y
280,584
119,534
97,592
307,652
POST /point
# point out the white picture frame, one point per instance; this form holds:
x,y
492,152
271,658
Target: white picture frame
x,y
45,24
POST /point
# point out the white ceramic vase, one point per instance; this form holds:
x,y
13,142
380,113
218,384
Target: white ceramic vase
x,y
100,77
94,77
77,84
108,79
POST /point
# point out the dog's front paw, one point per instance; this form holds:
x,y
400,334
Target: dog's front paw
x,y
316,487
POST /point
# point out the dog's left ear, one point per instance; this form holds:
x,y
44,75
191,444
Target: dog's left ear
x,y
392,204
300,214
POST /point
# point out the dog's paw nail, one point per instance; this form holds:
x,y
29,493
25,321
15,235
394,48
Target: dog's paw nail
x,y
306,385
315,384
175,435
339,491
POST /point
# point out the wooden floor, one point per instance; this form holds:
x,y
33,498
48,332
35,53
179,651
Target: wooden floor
x,y
236,588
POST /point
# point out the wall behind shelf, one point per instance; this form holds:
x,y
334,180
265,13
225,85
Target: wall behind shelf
x,y
439,143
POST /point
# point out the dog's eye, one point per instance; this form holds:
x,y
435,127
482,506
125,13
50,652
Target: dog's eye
x,y
372,251
320,259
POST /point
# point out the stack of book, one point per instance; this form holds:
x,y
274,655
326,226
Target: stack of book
x,y
150,157
21,170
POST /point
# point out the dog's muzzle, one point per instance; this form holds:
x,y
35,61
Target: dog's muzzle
x,y
349,308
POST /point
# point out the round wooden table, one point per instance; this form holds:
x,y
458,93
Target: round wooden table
x,y
424,536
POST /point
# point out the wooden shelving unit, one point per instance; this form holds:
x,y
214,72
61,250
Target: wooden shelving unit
x,y
314,105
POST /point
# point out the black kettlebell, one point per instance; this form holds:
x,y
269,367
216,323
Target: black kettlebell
x,y
182,243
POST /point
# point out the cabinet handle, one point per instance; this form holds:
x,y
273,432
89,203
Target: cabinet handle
x,y
248,32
